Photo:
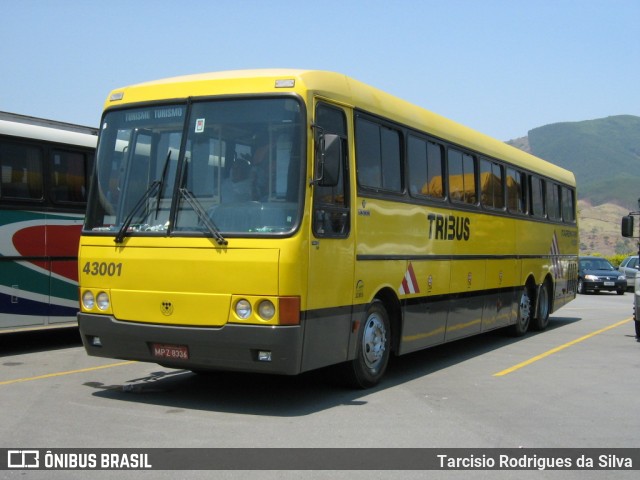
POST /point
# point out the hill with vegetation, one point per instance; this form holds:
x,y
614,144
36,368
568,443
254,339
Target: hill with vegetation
x,y
604,154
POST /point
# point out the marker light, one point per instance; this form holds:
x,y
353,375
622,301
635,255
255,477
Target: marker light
x,y
285,83
243,309
88,300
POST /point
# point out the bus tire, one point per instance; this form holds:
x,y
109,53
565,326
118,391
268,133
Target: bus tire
x,y
372,349
541,321
523,320
637,325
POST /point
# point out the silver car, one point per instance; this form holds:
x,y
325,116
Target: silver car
x,y
629,267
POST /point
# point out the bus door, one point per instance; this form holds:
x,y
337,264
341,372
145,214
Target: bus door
x,y
331,255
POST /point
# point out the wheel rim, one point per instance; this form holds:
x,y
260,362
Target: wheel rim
x,y
525,309
374,341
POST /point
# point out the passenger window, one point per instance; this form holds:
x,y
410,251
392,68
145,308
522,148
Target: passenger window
x,y
21,171
378,156
69,177
425,168
553,201
462,177
491,184
537,197
516,191
568,206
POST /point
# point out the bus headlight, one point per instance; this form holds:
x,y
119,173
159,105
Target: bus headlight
x,y
88,300
266,310
102,300
243,309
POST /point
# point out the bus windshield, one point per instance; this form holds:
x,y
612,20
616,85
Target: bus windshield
x,y
163,169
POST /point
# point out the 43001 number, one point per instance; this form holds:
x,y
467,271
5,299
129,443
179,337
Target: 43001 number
x,y
103,269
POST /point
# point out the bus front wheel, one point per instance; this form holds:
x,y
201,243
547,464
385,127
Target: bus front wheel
x,y
372,349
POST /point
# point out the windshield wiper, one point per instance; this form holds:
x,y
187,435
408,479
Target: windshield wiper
x,y
127,221
157,184
202,215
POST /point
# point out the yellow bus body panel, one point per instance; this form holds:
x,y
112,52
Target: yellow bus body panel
x,y
172,282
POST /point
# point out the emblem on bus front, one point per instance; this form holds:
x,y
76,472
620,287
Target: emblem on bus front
x,y
166,308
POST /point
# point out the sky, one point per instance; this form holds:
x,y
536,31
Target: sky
x,y
502,67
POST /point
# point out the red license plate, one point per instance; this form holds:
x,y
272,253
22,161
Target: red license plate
x,y
172,352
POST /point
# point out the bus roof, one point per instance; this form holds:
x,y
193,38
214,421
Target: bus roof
x,y
340,88
23,126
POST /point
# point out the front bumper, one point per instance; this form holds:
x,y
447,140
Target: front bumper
x,y
605,286
230,347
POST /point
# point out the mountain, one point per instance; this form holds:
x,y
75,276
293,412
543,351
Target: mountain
x,y
604,155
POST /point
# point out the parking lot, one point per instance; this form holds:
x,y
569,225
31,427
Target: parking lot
x,y
575,385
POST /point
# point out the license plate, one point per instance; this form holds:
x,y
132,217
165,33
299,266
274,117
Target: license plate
x,y
609,284
172,352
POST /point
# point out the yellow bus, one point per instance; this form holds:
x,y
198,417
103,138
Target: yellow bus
x,y
280,221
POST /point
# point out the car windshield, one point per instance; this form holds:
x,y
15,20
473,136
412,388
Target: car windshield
x,y
163,169
596,264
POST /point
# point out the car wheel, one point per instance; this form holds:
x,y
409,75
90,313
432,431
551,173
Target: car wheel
x,y
581,286
620,292
637,330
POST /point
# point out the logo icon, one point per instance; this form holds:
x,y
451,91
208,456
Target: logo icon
x,y
166,308
23,459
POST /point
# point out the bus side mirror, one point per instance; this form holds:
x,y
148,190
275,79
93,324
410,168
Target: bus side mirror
x,y
328,166
627,226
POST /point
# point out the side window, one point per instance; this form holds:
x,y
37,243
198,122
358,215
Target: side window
x,y
516,191
425,168
553,201
537,197
491,184
378,156
68,182
331,215
568,205
462,177
21,171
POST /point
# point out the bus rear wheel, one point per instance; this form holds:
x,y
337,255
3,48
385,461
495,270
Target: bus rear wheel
x,y
373,348
521,326
541,321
